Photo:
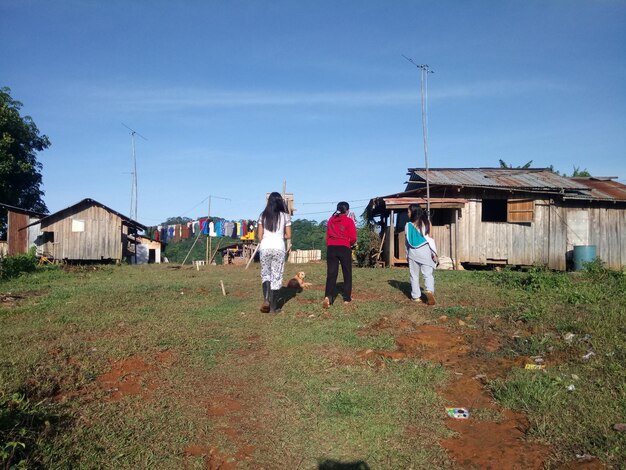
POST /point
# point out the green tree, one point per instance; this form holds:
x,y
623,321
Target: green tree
x,y
578,172
308,235
176,220
20,172
525,166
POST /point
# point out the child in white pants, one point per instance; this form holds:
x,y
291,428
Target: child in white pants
x,y
421,254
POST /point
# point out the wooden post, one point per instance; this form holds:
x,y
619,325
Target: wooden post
x,y
252,257
392,240
223,289
456,239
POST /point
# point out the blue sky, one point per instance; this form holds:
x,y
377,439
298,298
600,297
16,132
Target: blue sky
x,y
236,96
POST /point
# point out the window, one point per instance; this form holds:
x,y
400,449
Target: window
x,y
78,225
494,210
48,237
514,211
521,210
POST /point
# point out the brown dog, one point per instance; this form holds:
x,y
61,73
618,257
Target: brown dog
x,y
297,282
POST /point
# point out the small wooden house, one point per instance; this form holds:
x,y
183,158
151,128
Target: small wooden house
x,y
148,250
87,231
501,216
20,241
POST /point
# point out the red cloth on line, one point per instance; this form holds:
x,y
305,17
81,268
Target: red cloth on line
x,y
340,231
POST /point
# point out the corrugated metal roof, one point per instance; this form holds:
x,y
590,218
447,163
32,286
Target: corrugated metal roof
x,y
530,178
393,201
88,201
604,188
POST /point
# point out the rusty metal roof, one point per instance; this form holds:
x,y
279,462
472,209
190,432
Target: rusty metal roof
x,y
88,202
604,187
537,179
434,201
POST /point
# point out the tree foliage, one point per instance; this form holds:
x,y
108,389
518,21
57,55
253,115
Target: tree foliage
x,y
308,235
577,171
177,220
20,172
525,166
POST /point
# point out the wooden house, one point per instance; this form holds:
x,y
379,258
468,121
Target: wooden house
x,y
496,216
20,241
87,231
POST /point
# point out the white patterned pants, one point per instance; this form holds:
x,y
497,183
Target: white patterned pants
x,y
272,267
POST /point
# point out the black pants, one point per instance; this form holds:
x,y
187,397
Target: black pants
x,y
339,255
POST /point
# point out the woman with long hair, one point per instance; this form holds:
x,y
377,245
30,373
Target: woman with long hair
x,y
421,253
274,228
340,237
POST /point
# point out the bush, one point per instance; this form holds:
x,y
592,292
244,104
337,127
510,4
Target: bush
x,y
13,266
367,245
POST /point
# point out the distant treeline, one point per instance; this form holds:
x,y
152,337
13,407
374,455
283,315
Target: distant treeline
x,y
306,235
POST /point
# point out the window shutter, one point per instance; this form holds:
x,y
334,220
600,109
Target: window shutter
x,y
520,210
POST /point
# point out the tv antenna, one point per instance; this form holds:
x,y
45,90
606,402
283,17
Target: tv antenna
x,y
133,188
424,71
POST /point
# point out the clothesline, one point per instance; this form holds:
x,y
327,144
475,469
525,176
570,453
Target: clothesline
x,y
212,227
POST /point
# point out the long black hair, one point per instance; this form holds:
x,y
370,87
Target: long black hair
x,y
271,215
419,217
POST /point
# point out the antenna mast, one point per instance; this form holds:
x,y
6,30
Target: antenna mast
x,y
424,71
133,188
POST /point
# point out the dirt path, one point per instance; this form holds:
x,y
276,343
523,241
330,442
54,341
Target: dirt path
x,y
493,437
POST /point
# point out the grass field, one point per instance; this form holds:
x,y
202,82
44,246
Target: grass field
x,y
152,367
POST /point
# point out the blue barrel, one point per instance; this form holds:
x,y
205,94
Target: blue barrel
x,y
583,254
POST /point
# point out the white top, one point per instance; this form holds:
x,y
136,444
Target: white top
x,y
275,240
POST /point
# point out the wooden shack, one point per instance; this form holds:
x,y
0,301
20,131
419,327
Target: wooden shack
x,y
520,217
18,240
148,250
87,231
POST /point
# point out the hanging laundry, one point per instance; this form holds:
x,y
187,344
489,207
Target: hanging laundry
x,y
212,230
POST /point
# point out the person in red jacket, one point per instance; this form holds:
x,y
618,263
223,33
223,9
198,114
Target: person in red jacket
x,y
340,237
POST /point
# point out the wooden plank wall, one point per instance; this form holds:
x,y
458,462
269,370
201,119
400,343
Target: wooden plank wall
x,y
101,239
607,231
17,239
511,243
557,237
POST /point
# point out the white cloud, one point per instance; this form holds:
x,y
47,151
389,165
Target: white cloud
x,y
176,98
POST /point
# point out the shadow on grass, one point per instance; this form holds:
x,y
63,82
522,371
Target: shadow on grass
x,y
402,286
24,427
285,294
336,465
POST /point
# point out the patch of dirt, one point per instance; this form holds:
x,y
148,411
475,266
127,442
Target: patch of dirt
x,y
134,376
236,410
215,460
477,443
9,300
365,295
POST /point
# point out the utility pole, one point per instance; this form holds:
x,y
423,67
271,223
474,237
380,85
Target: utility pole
x,y
209,242
208,238
424,71
133,188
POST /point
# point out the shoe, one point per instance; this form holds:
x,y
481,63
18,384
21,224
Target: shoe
x,y
326,303
430,298
274,301
265,307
